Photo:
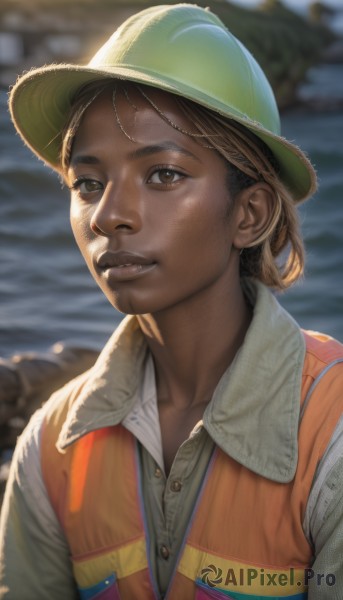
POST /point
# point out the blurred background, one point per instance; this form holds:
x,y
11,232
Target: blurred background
x,y
46,292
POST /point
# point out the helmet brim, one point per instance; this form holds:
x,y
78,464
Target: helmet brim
x,y
182,49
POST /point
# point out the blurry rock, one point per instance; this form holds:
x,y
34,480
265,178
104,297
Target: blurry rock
x,y
10,391
26,382
41,374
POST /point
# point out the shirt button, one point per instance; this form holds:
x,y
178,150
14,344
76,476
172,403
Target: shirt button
x,y
158,473
164,552
176,485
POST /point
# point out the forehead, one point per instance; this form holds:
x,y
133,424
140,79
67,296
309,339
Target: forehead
x,y
134,126
139,97
140,107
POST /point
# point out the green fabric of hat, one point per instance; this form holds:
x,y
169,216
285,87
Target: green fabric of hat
x,y
181,48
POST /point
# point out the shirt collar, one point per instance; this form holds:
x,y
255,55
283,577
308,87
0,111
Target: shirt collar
x,y
253,416
111,386
254,412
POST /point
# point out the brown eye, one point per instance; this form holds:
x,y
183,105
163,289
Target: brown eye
x,y
165,176
86,186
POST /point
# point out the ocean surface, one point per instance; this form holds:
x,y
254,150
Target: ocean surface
x,y
46,292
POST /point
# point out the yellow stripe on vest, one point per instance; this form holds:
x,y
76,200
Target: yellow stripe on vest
x,y
123,561
230,575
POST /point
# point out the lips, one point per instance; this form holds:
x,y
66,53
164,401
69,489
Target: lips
x,y
123,266
109,259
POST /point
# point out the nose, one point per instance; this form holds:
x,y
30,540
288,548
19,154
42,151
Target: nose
x,y
118,210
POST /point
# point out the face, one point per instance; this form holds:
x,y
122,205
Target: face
x,y
150,205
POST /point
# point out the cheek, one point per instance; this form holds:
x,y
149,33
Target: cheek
x,y
210,219
200,237
79,221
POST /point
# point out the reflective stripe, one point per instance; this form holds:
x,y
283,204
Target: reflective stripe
x,y
228,575
122,561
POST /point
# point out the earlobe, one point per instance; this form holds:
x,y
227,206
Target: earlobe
x,y
256,211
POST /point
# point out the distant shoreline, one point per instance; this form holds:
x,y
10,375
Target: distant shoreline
x,y
284,42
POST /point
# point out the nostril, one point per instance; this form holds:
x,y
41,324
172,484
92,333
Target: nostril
x,y
101,231
123,226
95,228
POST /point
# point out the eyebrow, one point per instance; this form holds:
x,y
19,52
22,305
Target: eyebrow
x,y
83,159
156,148
138,153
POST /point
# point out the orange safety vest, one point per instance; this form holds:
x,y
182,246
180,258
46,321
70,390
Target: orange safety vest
x,y
245,539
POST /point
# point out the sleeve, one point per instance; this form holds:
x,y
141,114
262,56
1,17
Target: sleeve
x,y
325,578
34,556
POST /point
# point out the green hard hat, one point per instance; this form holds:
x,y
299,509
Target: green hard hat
x,y
182,49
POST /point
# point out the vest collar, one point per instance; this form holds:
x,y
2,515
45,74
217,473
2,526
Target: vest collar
x,y
254,413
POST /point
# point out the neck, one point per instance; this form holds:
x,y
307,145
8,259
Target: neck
x,y
193,343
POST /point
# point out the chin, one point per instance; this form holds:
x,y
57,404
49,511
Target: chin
x,y
128,304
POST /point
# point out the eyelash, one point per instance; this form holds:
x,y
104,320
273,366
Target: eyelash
x,y
76,185
80,180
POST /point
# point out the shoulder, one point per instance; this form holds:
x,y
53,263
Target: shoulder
x,y
26,458
321,350
321,412
321,419
61,402
323,366
25,490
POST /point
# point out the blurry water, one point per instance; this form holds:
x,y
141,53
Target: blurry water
x,y
46,292
317,302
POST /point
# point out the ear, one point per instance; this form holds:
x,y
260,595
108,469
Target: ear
x,y
254,211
